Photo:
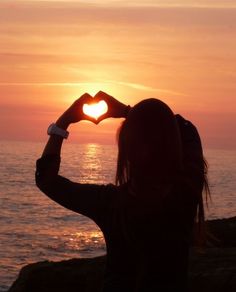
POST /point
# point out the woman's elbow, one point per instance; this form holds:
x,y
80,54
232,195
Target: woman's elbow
x,y
44,182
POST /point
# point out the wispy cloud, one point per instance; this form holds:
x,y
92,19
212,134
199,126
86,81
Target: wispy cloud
x,y
137,3
44,83
143,87
74,13
136,86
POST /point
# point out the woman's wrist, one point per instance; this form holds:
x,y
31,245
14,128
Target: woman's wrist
x,y
126,111
62,123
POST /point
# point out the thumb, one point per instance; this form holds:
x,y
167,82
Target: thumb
x,y
88,118
102,117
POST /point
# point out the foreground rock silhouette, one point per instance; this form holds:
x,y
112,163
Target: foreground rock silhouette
x,y
211,270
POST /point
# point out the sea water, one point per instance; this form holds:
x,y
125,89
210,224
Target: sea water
x,y
33,228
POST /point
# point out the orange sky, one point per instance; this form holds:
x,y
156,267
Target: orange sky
x,y
53,51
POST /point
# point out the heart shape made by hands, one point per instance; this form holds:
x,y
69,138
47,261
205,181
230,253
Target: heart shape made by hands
x,y
95,110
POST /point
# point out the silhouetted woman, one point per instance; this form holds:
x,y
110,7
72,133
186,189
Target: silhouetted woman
x,y
147,218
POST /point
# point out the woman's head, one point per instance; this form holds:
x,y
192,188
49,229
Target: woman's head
x,y
149,144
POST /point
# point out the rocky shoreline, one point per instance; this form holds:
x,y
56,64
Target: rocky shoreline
x,y
212,269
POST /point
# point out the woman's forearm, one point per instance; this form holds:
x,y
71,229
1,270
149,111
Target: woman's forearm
x,y
54,144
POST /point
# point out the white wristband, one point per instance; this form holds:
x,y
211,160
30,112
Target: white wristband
x,y
53,129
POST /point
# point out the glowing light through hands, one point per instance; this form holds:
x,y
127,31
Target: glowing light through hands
x,y
95,110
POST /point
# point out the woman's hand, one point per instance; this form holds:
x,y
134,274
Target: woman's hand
x,y
75,112
116,109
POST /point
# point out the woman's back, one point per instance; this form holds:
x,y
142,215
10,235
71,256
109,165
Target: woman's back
x,y
148,238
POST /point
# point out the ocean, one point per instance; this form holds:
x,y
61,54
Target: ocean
x,y
33,228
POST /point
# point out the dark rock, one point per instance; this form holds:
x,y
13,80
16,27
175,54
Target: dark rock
x,y
222,232
75,275
212,269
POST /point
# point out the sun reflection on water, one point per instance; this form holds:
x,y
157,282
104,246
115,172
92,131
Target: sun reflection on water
x,y
85,240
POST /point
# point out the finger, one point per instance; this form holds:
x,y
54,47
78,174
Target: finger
x,y
85,98
100,93
103,117
101,96
88,118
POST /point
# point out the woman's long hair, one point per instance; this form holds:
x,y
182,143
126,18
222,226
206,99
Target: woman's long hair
x,y
151,151
149,144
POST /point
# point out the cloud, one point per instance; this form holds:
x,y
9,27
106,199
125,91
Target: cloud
x,y
77,13
138,3
143,87
137,86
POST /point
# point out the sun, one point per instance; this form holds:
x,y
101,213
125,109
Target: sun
x,y
95,110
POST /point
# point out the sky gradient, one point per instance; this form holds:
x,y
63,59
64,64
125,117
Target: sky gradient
x,y
51,52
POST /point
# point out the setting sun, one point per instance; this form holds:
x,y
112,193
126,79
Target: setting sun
x,y
95,110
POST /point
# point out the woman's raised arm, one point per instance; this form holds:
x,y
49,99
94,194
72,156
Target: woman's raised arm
x,y
87,199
